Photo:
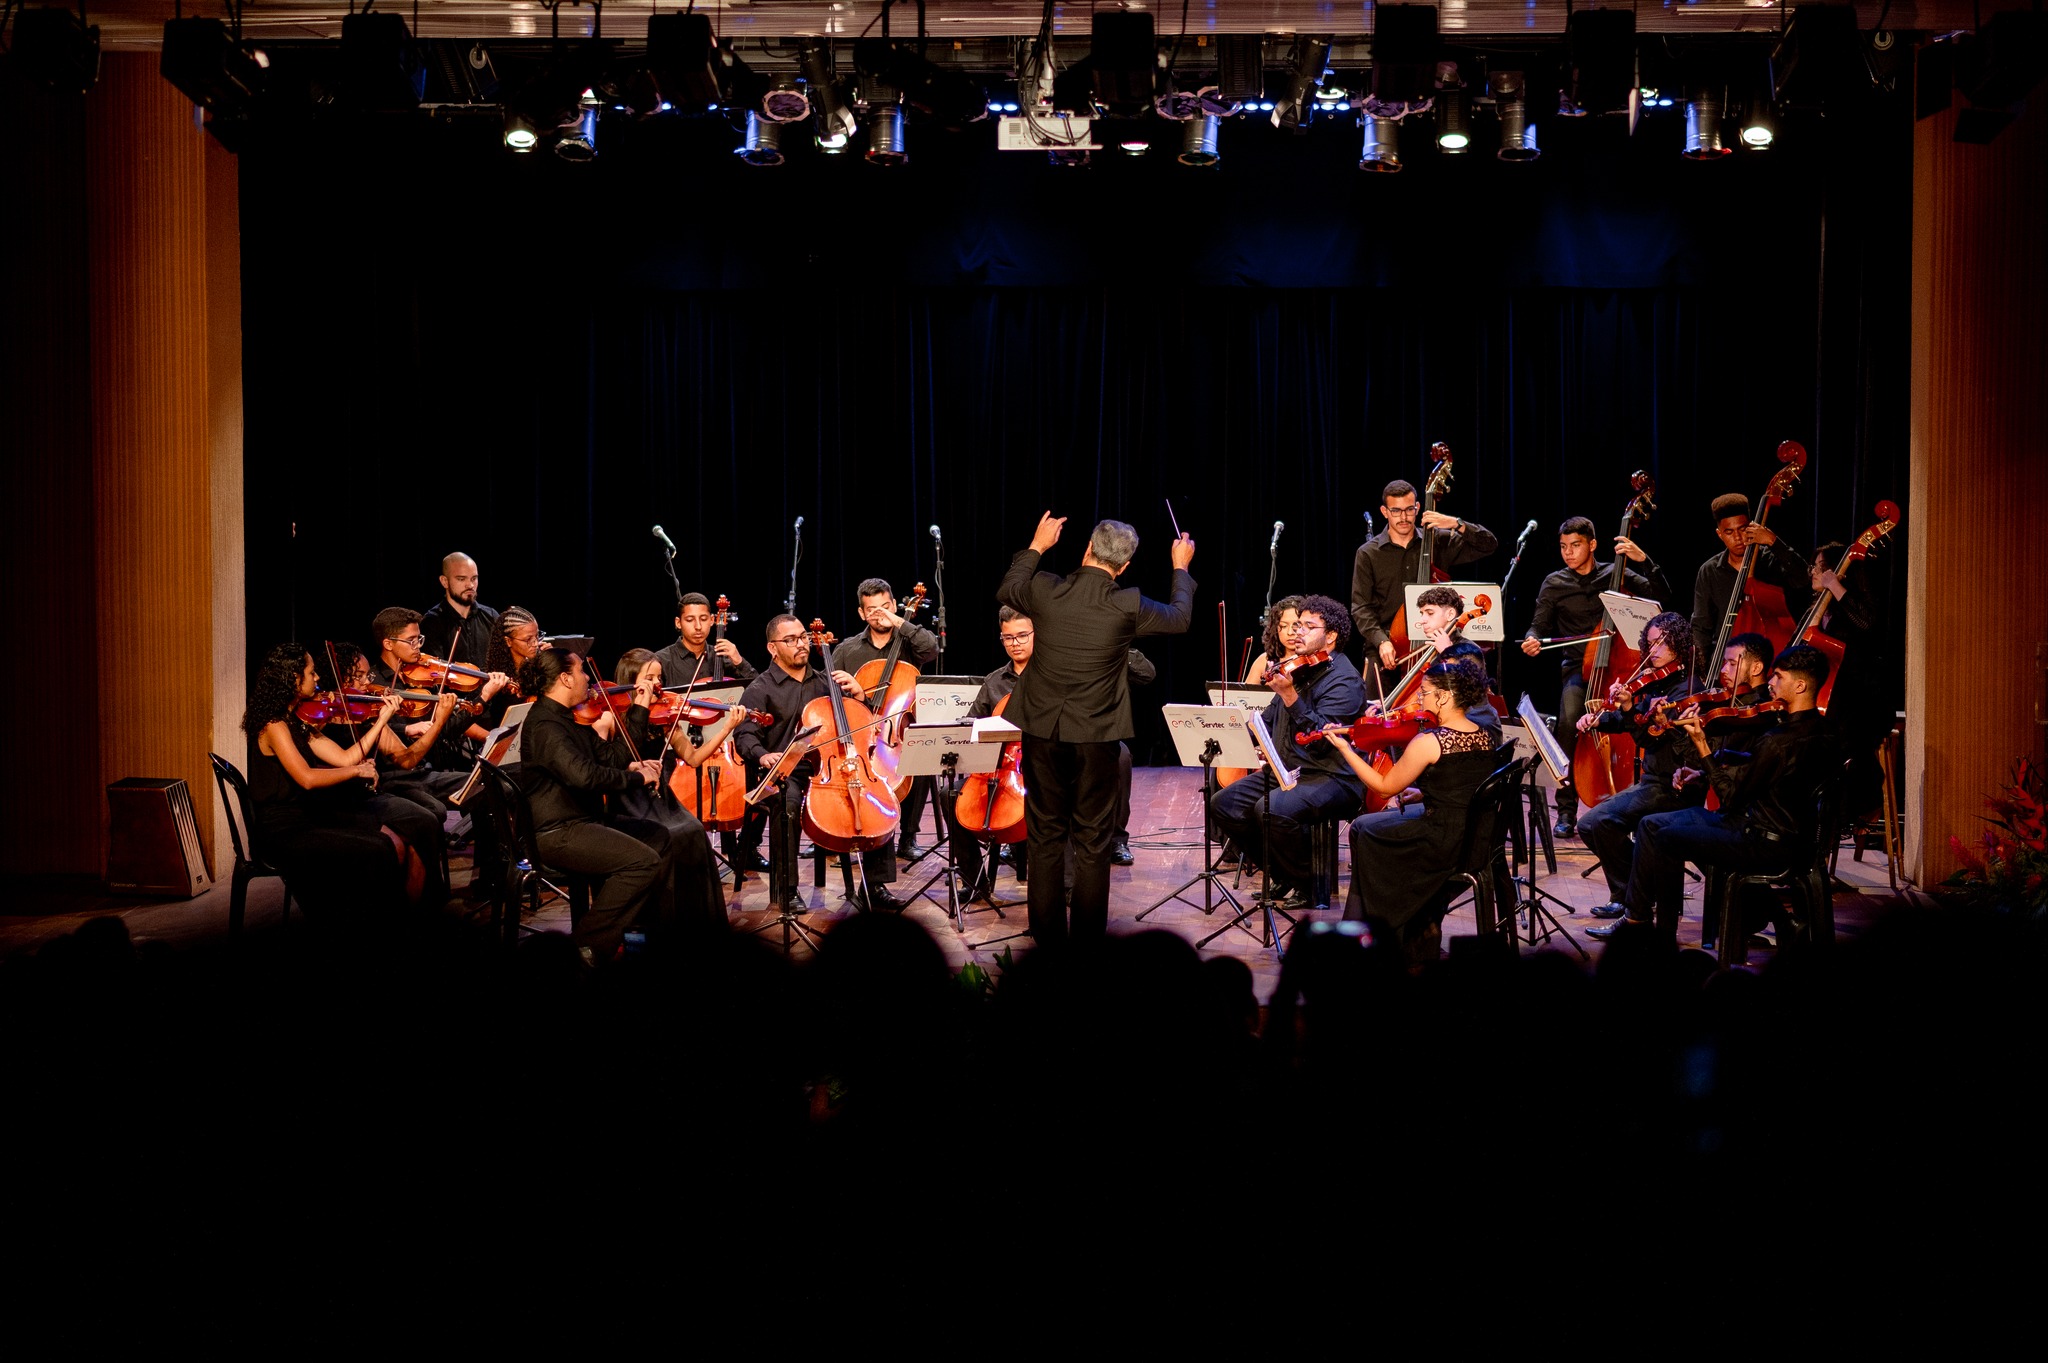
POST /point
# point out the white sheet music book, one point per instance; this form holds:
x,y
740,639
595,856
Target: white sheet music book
x,y
995,729
1194,726
1247,697
1275,760
1630,614
1539,734
514,717
942,698
925,747
1489,628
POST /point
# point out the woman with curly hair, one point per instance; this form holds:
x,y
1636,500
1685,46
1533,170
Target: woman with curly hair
x,y
1401,866
333,853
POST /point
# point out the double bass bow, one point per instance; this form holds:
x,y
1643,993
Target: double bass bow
x,y
1604,763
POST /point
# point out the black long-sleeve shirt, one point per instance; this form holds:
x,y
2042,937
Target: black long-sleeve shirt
x,y
783,696
679,665
920,646
1003,681
1381,568
473,633
1568,603
1668,751
1328,693
1775,787
1714,583
566,770
1077,688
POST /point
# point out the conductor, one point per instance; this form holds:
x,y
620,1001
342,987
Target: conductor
x,y
1074,705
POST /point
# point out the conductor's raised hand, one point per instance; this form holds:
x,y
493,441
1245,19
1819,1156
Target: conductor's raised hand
x,y
1048,532
1183,551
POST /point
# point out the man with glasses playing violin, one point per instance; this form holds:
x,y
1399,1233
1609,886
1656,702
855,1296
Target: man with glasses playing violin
x,y
783,689
1387,563
400,642
1322,689
1608,828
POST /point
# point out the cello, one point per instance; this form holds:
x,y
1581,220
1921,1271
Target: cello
x,y
990,805
1809,628
1426,571
715,792
893,684
849,807
1744,615
1604,763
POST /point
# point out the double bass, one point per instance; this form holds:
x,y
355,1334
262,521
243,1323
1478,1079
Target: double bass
x,y
1605,763
849,807
890,685
990,806
715,792
1809,628
1745,613
1426,571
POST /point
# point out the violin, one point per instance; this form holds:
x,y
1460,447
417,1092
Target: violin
x,y
892,684
1622,695
1287,667
1604,763
1412,679
849,806
1742,712
1426,571
426,670
339,707
671,703
420,704
990,805
1376,733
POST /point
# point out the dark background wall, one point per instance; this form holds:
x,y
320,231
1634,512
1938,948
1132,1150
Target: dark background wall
x,y
450,347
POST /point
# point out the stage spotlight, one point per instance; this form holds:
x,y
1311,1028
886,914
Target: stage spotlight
x,y
1602,44
1382,151
885,136
1133,143
203,62
830,140
56,49
1198,141
1453,110
1703,127
1517,131
828,102
762,145
1306,62
519,134
1760,125
899,75
785,101
578,141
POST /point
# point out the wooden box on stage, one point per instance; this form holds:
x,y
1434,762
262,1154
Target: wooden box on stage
x,y
153,839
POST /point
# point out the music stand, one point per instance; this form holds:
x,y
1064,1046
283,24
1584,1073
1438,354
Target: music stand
x,y
1543,924
948,751
785,832
1204,736
943,699
1264,904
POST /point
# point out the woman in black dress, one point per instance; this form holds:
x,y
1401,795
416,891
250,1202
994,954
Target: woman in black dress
x,y
334,854
1400,866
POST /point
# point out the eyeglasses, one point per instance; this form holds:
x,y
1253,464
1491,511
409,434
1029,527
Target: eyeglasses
x,y
1403,511
792,639
412,641
1009,639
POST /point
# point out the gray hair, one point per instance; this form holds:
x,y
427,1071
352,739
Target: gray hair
x,y
1113,544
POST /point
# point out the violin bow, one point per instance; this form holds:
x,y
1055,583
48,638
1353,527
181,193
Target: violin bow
x,y
334,671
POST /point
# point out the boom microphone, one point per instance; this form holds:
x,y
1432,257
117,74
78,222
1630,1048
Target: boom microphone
x,y
1527,531
666,542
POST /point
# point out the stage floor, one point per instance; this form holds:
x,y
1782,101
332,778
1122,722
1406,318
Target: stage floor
x,y
1166,838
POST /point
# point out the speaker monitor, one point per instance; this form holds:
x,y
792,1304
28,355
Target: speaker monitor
x,y
153,839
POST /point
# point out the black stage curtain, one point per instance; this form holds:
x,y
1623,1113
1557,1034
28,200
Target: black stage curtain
x,y
535,362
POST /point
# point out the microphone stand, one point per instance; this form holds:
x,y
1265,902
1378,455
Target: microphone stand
x,y
939,590
1272,576
1520,544
796,556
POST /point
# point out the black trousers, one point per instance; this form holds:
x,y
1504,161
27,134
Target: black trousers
x,y
785,833
1071,797
1608,827
1571,704
1318,797
634,861
416,822
1665,842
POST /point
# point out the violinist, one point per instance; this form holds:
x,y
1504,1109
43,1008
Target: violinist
x,y
1769,799
566,772
694,658
414,816
1568,605
458,627
920,647
782,689
1774,563
443,762
402,767
336,858
1608,828
1308,700
517,639
1387,563
1277,643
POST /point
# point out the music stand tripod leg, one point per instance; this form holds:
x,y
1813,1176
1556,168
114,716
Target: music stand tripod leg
x,y
1208,877
1268,935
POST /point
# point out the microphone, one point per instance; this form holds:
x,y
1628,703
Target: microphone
x,y
799,522
935,533
1527,531
666,542
1274,547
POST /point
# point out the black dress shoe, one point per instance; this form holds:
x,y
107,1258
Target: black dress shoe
x,y
879,899
910,850
1608,910
1120,853
1607,930
1566,828
747,859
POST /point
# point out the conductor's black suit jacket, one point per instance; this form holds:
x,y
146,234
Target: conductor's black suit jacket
x,y
1076,689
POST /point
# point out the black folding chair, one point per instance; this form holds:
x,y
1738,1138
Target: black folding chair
x,y
234,798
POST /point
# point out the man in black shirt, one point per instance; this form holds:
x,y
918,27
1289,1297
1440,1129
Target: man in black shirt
x,y
1775,563
782,690
1769,799
920,646
1568,605
1386,563
696,657
1074,706
443,765
458,627
566,772
1312,698
1609,826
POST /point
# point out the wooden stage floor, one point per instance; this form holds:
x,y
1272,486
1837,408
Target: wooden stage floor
x,y
1166,837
